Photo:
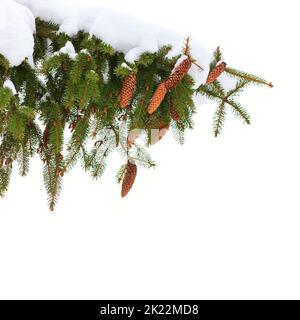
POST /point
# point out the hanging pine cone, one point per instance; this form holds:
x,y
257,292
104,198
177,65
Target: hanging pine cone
x,y
174,114
216,72
129,179
127,90
46,135
157,98
177,75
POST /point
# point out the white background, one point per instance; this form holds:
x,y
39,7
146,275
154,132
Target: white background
x,y
218,219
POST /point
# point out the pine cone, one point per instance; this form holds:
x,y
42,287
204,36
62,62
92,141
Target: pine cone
x,y
127,90
157,98
174,114
130,175
177,75
216,72
46,135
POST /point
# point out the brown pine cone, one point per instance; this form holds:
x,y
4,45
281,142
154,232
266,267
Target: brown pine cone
x,y
127,90
174,114
216,72
177,75
46,135
157,98
129,179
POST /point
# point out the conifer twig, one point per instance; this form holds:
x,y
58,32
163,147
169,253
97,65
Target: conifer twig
x,y
187,52
248,77
219,118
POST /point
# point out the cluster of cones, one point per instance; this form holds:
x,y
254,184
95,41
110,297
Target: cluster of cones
x,y
129,84
178,74
129,87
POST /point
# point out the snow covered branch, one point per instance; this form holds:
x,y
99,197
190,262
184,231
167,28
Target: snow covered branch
x,y
70,70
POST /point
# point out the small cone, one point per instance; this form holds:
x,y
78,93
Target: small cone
x,y
157,98
130,175
178,74
46,136
216,72
127,90
174,114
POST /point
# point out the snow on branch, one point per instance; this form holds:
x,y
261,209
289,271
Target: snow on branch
x,y
125,33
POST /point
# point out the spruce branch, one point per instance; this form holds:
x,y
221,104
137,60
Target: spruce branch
x,y
239,111
219,119
218,55
5,176
121,173
218,89
178,131
4,67
53,182
78,95
248,77
210,92
239,88
141,156
23,159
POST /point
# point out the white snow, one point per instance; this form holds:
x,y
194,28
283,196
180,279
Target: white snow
x,y
126,66
227,82
69,50
16,32
125,33
179,61
85,51
9,85
200,100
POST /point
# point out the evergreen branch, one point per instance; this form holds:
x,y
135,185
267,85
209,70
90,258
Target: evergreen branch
x,y
121,173
141,156
5,176
81,132
4,65
82,92
53,182
43,150
23,160
71,158
56,184
219,119
5,97
239,111
100,167
178,132
218,55
239,88
248,77
210,93
218,89
96,160
46,29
